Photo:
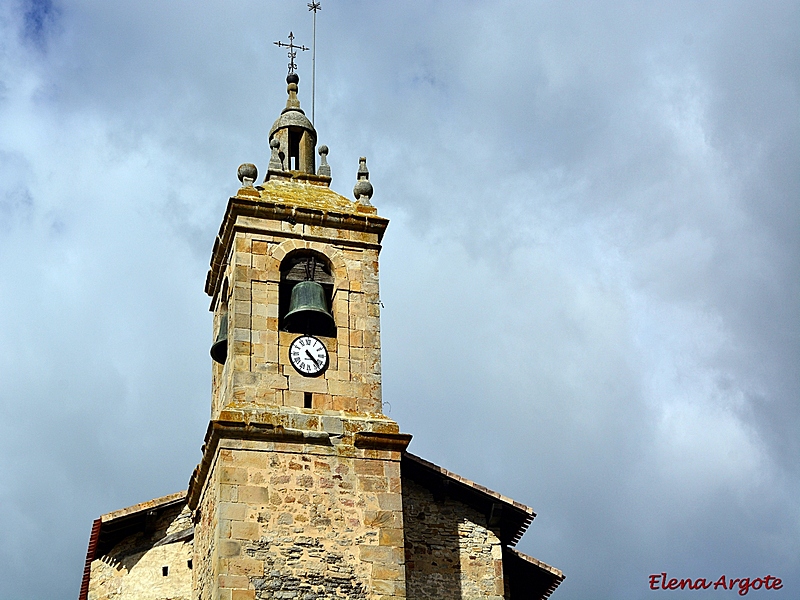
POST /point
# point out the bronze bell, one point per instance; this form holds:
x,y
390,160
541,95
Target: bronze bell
x,y
308,310
219,351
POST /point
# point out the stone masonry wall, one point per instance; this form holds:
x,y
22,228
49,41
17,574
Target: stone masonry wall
x,y
257,372
296,521
134,568
206,562
450,553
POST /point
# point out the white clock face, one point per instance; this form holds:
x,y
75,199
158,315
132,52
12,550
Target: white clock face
x,y
308,355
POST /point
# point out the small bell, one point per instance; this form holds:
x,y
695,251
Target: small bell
x,y
308,310
219,351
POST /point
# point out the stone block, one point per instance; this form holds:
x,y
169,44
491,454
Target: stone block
x,y
344,403
232,475
232,511
242,565
241,361
304,481
293,398
372,339
228,493
296,229
273,381
304,421
370,405
381,518
253,494
341,388
391,469
332,425
241,243
379,554
391,537
356,366
359,307
383,587
390,501
356,339
369,467
308,384
245,530
395,485
233,581
368,483
228,549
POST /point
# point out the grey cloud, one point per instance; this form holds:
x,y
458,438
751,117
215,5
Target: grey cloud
x,y
593,205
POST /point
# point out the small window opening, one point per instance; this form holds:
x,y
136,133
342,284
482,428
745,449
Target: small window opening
x,y
189,563
307,397
164,571
294,150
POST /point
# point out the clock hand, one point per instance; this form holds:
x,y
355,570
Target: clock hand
x,y
311,356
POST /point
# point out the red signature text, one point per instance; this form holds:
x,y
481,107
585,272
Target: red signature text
x,y
743,584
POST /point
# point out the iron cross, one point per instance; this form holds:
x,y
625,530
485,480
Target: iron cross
x,y
292,50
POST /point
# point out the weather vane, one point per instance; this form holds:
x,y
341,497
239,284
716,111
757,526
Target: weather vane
x,y
292,51
314,7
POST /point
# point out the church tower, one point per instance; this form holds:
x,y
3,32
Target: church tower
x,y
305,489
298,493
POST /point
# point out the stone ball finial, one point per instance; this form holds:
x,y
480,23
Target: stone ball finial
x,y
247,174
363,188
275,163
324,168
291,88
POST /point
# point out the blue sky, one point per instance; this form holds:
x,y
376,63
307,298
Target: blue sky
x,y
594,207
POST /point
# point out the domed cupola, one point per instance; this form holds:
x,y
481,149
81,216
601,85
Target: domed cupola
x,y
294,133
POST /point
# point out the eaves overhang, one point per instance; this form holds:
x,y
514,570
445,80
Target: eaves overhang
x,y
504,515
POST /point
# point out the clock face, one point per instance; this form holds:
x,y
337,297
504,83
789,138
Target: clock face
x,y
308,355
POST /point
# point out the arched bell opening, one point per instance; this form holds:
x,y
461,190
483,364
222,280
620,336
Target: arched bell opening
x,y
305,294
297,149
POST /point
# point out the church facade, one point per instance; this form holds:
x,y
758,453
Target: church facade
x,y
305,489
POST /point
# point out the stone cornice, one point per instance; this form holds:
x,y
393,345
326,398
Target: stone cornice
x,y
374,440
268,432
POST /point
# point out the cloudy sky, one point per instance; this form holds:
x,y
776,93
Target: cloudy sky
x,y
591,279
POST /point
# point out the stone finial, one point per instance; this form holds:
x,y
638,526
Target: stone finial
x,y
247,174
324,168
275,163
363,189
291,88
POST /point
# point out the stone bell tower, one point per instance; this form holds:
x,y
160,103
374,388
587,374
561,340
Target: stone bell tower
x,y
298,493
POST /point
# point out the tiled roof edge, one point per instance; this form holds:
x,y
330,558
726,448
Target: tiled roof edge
x,y
90,554
175,498
476,486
